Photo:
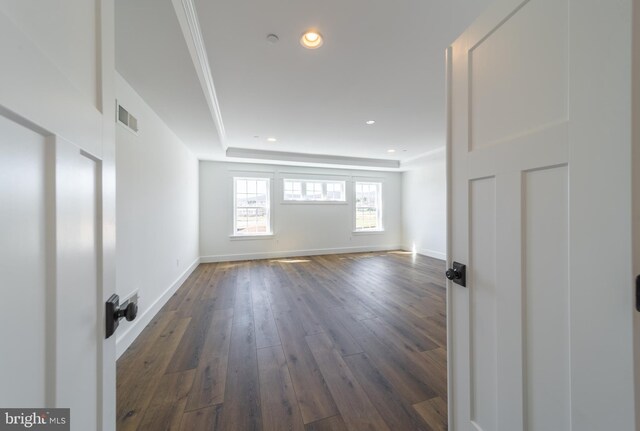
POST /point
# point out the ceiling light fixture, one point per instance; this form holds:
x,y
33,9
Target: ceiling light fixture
x,y
271,139
370,122
391,151
272,38
311,39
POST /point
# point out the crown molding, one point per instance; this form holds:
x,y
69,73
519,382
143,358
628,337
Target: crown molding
x,y
190,26
247,153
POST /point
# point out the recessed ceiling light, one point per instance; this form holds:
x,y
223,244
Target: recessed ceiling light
x,y
311,39
370,122
272,38
271,139
391,151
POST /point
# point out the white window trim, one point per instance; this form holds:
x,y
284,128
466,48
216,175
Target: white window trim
x,y
254,176
376,231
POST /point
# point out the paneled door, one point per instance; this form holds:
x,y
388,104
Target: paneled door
x,y
52,324
541,337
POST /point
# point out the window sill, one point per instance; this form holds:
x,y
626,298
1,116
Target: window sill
x,y
368,232
250,237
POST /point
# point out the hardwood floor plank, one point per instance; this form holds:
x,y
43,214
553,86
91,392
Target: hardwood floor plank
x,y
311,390
400,339
404,375
289,295
187,305
211,375
130,359
354,404
135,393
334,423
175,300
434,412
266,330
280,409
394,409
242,392
187,355
165,410
223,293
204,419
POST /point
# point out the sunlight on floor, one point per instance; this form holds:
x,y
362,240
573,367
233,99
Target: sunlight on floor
x,y
291,260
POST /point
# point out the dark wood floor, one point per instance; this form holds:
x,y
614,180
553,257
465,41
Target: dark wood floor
x,y
340,342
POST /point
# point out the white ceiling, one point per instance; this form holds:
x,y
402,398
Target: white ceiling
x,y
381,60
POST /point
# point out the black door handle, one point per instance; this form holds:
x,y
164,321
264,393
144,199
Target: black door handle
x,y
638,293
457,274
114,313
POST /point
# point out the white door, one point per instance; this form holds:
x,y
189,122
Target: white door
x,y
541,338
51,327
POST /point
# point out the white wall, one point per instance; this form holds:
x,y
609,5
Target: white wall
x,y
157,212
299,228
424,205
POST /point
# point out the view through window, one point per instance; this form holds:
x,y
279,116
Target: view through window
x,y
368,206
252,206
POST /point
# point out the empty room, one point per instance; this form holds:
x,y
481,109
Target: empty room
x,y
343,215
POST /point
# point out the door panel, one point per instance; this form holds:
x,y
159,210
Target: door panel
x,y
79,293
546,299
23,265
539,183
482,299
527,92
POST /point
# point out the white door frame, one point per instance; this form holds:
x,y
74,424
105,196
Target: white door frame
x,y
635,160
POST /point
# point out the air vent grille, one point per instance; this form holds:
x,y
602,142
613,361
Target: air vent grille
x,y
128,120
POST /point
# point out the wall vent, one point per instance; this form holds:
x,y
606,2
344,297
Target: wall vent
x,y
126,119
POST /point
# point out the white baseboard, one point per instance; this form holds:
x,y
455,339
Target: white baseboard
x,y
429,253
294,253
135,328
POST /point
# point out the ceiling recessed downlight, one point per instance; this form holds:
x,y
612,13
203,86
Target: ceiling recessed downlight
x,y
311,39
271,139
391,151
370,122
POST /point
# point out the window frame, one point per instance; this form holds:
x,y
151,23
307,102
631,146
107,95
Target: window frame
x,y
269,207
303,189
379,207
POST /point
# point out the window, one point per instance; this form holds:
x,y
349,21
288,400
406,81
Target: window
x,y
252,206
314,191
368,206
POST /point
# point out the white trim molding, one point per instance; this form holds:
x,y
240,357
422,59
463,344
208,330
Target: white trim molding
x,y
190,26
295,253
248,153
429,253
